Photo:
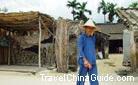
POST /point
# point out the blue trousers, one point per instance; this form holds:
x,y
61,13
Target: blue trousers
x,y
92,75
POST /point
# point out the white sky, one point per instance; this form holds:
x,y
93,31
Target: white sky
x,y
56,8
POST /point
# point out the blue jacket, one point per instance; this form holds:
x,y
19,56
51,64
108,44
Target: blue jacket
x,y
86,48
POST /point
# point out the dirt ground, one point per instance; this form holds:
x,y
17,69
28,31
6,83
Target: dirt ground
x,y
112,66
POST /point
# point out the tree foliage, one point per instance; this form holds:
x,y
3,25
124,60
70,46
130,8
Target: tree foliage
x,y
107,8
79,10
133,5
104,8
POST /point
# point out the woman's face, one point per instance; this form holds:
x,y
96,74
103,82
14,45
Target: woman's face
x,y
89,30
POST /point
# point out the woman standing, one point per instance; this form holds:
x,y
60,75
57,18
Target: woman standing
x,y
87,54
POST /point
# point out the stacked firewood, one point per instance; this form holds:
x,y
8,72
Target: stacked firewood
x,y
23,57
26,58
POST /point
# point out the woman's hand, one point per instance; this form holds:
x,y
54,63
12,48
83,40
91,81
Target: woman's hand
x,y
86,63
89,66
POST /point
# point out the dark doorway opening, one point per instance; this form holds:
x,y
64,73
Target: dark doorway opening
x,y
4,55
115,46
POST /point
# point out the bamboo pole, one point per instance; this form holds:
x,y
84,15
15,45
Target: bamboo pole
x,y
39,47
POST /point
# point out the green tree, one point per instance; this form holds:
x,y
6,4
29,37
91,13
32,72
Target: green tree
x,y
133,5
104,8
73,4
80,15
112,11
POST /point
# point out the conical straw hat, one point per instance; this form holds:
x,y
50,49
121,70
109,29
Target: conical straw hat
x,y
89,23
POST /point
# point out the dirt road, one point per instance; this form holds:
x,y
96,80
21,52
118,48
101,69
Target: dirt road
x,y
109,66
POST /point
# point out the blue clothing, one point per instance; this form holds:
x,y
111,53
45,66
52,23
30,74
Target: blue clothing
x,y
86,48
92,74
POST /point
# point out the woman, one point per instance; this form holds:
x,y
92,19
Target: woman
x,y
87,54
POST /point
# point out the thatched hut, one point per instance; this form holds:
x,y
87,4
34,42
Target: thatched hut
x,y
23,37
129,17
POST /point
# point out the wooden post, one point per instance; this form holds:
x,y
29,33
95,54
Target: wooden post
x,y
61,44
39,46
9,53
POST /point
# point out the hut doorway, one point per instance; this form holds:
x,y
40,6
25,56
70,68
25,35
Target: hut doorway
x,y
115,46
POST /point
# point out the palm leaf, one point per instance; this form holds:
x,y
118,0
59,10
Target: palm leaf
x,y
88,11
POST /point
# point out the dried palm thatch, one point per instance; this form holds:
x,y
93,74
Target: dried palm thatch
x,y
27,22
23,20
